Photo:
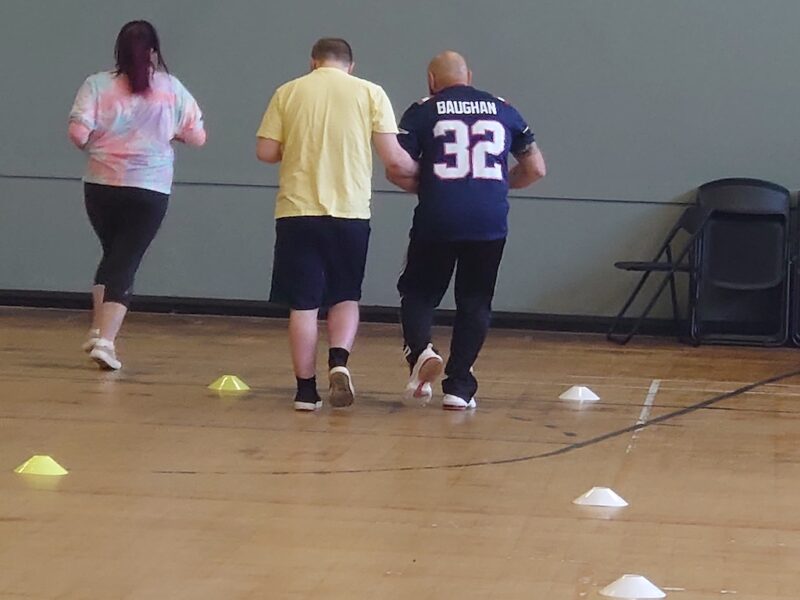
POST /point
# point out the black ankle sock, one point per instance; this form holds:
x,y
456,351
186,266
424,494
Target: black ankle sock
x,y
337,357
307,388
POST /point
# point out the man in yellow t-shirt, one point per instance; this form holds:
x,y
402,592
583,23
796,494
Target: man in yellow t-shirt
x,y
321,127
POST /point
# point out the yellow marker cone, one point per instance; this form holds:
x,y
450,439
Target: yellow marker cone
x,y
229,383
41,465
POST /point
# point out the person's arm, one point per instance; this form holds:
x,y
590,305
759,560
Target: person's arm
x,y
407,184
83,115
530,167
268,150
409,141
401,169
269,144
190,128
79,134
193,137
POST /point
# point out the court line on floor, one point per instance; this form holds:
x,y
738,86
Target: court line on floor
x,y
644,416
594,441
647,408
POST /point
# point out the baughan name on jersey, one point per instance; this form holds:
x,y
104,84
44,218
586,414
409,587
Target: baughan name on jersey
x,y
460,107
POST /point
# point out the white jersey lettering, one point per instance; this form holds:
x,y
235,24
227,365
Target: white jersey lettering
x,y
466,107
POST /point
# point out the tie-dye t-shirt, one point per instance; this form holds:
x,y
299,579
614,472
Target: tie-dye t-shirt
x,y
131,134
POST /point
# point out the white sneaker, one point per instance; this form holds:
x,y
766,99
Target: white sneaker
x,y
91,340
450,402
105,356
307,405
426,370
342,392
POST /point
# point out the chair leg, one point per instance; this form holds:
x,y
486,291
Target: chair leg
x,y
612,332
676,310
622,340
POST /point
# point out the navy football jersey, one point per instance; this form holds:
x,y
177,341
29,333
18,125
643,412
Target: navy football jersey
x,y
462,138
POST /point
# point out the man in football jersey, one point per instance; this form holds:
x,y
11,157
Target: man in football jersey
x,y
462,138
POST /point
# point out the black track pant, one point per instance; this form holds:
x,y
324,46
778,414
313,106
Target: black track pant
x,y
425,279
126,220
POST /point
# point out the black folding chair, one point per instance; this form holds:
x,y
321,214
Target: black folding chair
x,y
669,260
741,291
794,277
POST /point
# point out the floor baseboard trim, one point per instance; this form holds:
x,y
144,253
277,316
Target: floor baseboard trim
x,y
373,314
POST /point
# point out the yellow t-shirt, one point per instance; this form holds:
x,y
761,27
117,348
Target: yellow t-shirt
x,y
324,122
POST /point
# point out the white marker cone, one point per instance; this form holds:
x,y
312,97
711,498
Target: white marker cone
x,y
580,393
632,587
601,496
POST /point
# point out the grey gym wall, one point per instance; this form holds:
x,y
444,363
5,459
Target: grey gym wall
x,y
635,102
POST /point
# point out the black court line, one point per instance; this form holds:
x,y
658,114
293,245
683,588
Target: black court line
x,y
227,184
531,457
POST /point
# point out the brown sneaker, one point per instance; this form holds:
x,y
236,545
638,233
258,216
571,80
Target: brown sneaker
x,y
341,387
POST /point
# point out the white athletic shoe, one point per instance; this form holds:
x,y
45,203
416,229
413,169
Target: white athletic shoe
x,y
307,405
450,402
342,392
91,340
105,356
425,371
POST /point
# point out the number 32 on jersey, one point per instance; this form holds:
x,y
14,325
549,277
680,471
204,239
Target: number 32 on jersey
x,y
471,157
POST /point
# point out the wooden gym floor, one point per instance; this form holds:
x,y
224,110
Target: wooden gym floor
x,y
177,492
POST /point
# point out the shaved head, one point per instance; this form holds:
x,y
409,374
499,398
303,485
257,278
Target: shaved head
x,y
447,69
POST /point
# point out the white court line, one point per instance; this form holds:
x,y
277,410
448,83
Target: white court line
x,y
646,410
648,402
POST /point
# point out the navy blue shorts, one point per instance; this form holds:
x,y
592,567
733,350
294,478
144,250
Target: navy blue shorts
x,y
319,261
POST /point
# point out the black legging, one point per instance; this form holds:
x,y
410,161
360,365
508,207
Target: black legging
x,y
126,219
425,279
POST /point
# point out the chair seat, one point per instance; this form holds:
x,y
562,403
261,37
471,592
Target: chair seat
x,y
744,287
652,266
